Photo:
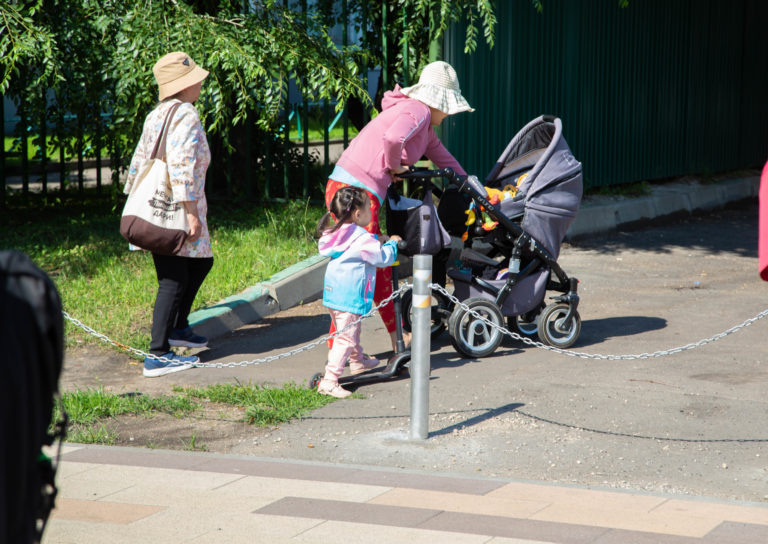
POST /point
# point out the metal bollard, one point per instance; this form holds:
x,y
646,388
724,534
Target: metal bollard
x,y
420,346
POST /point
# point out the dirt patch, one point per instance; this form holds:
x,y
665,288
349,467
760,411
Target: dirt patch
x,y
215,428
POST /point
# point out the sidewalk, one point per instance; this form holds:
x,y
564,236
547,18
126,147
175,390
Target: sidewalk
x,y
128,495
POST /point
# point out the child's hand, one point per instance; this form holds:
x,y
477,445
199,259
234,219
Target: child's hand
x,y
383,238
395,238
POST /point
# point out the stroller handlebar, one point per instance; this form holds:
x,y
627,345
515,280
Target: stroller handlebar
x,y
466,184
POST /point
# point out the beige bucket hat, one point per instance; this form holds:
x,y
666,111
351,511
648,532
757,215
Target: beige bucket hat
x,y
175,72
438,87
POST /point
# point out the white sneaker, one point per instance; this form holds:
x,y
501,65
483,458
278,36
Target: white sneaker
x,y
332,389
358,367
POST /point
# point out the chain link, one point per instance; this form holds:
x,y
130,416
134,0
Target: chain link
x,y
582,355
104,338
404,288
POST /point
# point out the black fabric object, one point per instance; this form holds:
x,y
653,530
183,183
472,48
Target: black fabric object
x,y
32,334
417,223
451,211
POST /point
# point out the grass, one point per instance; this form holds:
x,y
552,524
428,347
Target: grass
x,y
89,411
112,290
264,406
640,188
34,154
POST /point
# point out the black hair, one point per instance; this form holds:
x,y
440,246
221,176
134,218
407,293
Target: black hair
x,y
344,203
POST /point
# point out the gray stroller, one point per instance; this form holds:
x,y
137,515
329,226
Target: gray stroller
x,y
506,270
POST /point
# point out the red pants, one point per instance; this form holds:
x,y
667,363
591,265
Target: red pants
x,y
383,275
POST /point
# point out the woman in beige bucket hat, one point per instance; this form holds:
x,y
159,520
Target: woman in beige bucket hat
x,y
397,137
179,80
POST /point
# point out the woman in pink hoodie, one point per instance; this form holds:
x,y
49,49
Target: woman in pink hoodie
x,y
397,137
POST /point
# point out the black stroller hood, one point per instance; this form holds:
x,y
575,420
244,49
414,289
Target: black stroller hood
x,y
549,197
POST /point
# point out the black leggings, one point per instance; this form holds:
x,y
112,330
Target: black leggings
x,y
178,279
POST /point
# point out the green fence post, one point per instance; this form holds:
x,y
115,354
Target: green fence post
x,y
2,152
406,76
384,44
44,145
98,151
62,154
80,166
326,139
365,66
24,147
344,42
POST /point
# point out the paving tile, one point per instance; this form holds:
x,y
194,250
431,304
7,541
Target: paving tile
x,y
503,540
330,473
277,488
423,481
717,510
562,533
460,502
89,488
297,471
570,495
738,533
349,511
631,520
102,511
65,469
136,457
79,532
360,533
617,536
133,475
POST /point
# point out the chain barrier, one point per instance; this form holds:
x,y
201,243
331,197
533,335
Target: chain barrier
x,y
403,289
104,338
582,355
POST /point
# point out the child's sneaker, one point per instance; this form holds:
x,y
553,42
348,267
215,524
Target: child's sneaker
x,y
358,367
186,338
154,368
332,389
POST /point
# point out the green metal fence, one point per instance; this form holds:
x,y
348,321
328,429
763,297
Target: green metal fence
x,y
655,90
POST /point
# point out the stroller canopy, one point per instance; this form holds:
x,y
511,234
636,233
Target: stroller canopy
x,y
549,196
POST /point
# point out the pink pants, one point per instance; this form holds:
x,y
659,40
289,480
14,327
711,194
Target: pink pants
x,y
345,346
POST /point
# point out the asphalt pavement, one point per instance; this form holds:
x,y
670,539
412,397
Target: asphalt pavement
x,y
692,422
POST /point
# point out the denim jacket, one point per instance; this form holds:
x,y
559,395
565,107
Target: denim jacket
x,y
351,275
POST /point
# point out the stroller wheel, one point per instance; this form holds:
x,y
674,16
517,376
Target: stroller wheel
x,y
441,311
526,329
473,337
554,331
314,381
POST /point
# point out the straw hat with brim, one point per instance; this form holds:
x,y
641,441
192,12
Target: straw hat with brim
x,y
438,87
175,72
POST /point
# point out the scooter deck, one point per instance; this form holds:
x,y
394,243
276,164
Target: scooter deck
x,y
396,366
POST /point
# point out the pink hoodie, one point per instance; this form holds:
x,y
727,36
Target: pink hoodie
x,y
400,134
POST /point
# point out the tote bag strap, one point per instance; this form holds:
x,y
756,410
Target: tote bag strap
x,y
163,136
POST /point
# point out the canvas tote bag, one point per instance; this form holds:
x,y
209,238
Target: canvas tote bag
x,y
416,222
151,219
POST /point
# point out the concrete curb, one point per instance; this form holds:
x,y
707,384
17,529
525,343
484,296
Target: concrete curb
x,y
605,214
303,282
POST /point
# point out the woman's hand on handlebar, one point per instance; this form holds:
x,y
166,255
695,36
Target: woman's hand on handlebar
x,y
399,170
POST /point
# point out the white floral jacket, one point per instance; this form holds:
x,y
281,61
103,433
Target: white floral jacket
x,y
187,155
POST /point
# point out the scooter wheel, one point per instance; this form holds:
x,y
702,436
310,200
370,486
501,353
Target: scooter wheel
x,y
441,310
314,381
554,331
473,337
